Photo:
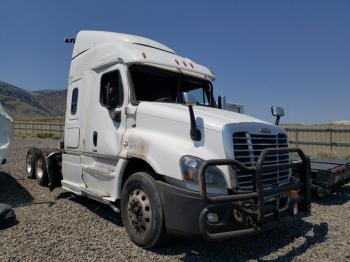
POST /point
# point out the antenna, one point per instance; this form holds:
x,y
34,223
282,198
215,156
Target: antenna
x,y
69,40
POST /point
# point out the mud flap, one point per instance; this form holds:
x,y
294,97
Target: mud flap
x,y
53,166
7,216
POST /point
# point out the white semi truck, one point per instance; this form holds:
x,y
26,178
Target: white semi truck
x,y
144,135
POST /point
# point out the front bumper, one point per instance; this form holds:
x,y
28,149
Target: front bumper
x,y
186,212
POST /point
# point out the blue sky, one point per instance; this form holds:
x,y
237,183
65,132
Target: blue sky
x,y
293,53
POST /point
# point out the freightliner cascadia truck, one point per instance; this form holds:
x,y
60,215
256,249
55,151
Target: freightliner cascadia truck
x,y
145,135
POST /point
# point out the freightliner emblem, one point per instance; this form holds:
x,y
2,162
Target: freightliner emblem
x,y
264,130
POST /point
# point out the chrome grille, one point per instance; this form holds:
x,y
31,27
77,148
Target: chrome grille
x,y
247,148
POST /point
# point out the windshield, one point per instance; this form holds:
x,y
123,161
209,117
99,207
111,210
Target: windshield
x,y
158,85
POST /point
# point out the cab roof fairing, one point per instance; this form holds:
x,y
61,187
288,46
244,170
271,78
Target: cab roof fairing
x,y
110,52
87,39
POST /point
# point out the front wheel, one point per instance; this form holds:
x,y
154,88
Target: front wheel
x,y
142,212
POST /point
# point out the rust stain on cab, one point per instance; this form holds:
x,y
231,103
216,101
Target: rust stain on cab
x,y
138,147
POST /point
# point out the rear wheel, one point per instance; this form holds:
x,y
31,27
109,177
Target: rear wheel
x,y
41,170
30,161
142,211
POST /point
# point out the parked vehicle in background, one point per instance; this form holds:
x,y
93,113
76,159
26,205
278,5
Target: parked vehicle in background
x,y
144,135
5,134
329,174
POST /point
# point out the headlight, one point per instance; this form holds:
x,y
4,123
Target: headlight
x,y
190,170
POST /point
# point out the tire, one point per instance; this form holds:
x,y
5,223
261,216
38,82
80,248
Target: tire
x,y
142,212
41,170
30,161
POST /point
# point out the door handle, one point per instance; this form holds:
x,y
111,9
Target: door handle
x,y
94,138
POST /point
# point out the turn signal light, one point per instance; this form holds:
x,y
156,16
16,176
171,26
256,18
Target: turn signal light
x,y
294,194
213,218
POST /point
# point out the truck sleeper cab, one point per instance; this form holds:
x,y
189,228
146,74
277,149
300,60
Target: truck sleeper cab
x,y
144,135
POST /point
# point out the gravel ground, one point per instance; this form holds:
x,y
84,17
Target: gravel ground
x,y
59,226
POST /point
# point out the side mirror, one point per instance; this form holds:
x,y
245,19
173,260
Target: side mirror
x,y
277,112
111,94
222,102
110,100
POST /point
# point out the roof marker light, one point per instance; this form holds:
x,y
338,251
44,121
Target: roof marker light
x,y
177,61
144,55
191,65
184,63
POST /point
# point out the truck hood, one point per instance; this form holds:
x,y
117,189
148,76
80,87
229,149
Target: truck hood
x,y
206,117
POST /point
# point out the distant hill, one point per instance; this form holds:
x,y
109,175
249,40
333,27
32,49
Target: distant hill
x,y
22,104
53,100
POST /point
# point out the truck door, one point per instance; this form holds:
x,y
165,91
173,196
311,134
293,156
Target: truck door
x,y
106,124
107,121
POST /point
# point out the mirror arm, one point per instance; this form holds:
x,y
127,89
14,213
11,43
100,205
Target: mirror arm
x,y
277,122
195,133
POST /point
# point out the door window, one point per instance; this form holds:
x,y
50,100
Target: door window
x,y
201,97
74,103
111,90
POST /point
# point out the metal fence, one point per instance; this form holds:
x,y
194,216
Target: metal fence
x,y
313,139
44,129
316,139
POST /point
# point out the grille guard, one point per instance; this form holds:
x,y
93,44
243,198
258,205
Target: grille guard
x,y
258,193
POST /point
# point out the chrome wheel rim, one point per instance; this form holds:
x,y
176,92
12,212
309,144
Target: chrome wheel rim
x,y
39,168
29,163
139,211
